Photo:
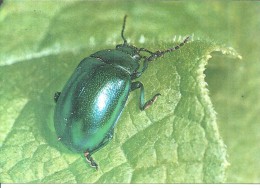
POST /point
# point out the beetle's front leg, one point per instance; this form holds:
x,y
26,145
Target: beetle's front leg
x,y
143,105
138,74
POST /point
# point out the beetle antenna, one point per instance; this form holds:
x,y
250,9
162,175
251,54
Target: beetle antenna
x,y
159,53
123,29
178,46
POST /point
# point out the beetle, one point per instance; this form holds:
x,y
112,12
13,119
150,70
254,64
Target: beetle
x,y
94,97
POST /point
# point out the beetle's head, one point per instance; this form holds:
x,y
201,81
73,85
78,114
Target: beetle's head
x,y
134,52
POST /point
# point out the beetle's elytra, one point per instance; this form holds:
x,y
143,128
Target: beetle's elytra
x,y
94,97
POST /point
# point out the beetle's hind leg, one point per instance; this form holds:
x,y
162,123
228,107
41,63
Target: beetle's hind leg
x,y
104,142
56,96
90,160
143,105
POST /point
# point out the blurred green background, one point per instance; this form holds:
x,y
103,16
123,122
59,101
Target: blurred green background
x,y
233,84
235,88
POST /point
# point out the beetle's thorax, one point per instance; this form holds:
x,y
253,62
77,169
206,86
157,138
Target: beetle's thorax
x,y
124,56
130,52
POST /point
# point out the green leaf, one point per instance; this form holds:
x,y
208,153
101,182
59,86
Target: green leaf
x,y
176,140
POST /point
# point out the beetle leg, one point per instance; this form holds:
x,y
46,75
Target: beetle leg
x,y
138,74
108,137
143,105
90,160
104,142
56,96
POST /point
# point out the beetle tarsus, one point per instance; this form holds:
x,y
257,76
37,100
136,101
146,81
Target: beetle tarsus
x,y
143,105
151,101
90,160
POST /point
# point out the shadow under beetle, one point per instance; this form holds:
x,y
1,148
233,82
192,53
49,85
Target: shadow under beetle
x,y
94,97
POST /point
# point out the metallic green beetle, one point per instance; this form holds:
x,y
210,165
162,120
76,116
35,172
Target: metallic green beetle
x,y
94,97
